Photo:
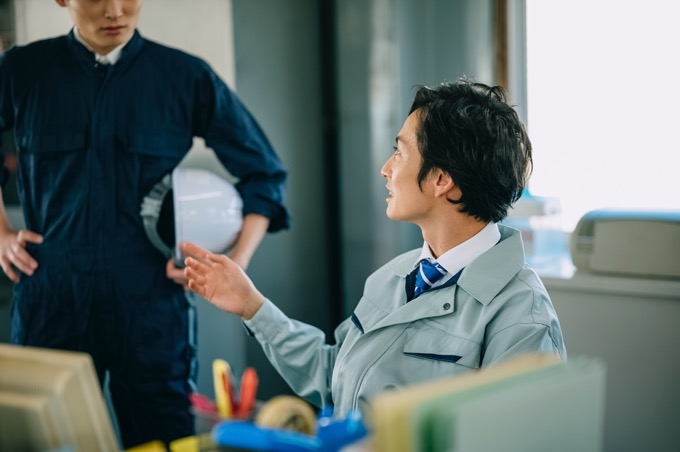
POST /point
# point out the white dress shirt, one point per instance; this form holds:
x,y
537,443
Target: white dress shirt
x,y
460,256
110,58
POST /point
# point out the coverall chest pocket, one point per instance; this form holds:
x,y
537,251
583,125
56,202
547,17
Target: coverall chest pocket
x,y
432,353
52,170
148,154
50,143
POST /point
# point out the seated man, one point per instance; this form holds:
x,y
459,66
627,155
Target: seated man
x,y
465,300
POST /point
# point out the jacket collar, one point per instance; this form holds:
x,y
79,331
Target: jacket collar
x,y
484,277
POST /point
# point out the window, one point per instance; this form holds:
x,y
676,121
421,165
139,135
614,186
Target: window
x,y
603,104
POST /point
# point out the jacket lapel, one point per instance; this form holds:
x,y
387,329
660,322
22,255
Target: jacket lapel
x,y
384,301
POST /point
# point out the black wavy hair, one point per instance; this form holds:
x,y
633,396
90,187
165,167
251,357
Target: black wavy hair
x,y
468,130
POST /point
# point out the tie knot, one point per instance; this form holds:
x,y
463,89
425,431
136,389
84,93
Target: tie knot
x,y
428,274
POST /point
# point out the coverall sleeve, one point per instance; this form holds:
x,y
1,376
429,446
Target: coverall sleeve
x,y
242,147
298,351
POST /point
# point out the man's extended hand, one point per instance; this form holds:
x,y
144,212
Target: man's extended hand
x,y
221,281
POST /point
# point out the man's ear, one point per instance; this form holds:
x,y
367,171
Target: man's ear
x,y
444,185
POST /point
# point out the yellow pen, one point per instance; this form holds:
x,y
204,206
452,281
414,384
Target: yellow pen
x,y
221,371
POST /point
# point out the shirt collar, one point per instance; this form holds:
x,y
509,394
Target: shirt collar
x,y
461,255
110,58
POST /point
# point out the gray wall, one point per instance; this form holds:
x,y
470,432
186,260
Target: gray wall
x,y
277,60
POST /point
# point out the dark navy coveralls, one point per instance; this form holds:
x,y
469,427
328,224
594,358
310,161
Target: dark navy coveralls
x,y
92,142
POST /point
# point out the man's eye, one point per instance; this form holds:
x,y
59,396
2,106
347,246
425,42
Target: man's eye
x,y
396,150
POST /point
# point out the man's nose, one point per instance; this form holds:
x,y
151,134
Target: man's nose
x,y
114,9
385,169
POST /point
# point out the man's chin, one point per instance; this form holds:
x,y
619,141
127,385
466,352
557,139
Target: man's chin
x,y
392,216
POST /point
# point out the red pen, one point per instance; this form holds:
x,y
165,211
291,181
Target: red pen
x,y
249,382
202,403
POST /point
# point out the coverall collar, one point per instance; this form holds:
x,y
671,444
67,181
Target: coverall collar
x,y
86,57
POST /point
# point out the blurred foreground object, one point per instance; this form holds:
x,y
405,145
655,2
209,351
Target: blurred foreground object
x,y
287,413
288,423
532,402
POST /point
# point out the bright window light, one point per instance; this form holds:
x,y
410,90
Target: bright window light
x,y
604,104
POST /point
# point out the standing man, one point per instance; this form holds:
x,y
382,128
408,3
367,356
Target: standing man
x,y
100,116
463,301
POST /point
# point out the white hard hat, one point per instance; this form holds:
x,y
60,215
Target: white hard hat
x,y
192,205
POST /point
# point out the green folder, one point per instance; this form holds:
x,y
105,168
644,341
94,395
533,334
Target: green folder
x,y
554,408
390,411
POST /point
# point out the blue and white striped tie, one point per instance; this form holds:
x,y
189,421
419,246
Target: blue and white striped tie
x,y
428,274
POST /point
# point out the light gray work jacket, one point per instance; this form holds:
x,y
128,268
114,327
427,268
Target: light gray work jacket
x,y
499,308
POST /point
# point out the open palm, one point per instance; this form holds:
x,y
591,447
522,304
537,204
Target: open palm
x,y
221,281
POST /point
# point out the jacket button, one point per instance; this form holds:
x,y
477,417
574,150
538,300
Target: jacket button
x,y
447,306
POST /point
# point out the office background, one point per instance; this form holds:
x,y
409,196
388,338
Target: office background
x,y
331,83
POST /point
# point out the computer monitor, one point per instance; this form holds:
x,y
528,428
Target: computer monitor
x,y
51,399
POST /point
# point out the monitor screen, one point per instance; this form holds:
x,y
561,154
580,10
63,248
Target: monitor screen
x,y
51,399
